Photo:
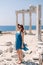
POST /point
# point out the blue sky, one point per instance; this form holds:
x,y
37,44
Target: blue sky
x,y
8,8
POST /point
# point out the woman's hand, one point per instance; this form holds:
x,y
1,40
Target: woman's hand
x,y
22,46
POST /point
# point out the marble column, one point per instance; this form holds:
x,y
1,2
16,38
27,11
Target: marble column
x,y
30,25
38,29
16,20
23,18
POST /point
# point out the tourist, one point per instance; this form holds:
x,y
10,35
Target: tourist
x,y
19,43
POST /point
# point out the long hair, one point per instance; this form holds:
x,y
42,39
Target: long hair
x,y
22,28
19,26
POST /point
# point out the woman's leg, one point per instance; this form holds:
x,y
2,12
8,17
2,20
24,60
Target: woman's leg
x,y
21,54
18,52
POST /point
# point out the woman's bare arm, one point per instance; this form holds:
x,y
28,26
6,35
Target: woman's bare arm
x,y
22,38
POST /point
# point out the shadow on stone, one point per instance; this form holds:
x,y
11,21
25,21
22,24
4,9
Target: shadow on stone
x,y
29,63
8,43
1,52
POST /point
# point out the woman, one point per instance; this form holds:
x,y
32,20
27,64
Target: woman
x,y
19,43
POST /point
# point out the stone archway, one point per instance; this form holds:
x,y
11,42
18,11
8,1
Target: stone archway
x,y
32,9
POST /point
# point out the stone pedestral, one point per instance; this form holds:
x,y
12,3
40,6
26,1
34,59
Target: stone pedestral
x,y
41,59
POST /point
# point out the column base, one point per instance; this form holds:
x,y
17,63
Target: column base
x,y
40,43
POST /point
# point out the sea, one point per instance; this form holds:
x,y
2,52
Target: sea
x,y
13,28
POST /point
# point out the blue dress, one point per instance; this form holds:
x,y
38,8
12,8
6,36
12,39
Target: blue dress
x,y
18,41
